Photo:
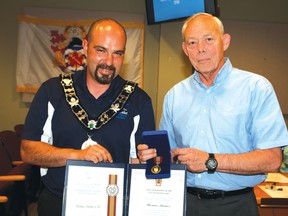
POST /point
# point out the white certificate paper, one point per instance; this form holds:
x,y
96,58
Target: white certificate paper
x,y
161,197
86,191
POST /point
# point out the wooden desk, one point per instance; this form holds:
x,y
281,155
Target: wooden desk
x,y
269,206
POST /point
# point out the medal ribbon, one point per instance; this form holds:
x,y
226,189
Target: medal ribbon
x,y
111,209
157,160
80,113
156,168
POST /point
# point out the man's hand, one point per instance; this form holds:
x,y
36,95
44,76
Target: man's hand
x,y
144,153
96,153
193,158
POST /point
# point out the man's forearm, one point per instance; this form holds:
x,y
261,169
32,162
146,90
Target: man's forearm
x,y
258,161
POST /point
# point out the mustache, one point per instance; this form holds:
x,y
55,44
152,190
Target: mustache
x,y
106,67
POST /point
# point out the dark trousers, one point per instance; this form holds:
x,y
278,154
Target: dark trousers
x,y
49,204
239,205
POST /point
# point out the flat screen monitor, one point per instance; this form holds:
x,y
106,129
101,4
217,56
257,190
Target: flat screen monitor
x,y
159,11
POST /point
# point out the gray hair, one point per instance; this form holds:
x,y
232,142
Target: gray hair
x,y
216,20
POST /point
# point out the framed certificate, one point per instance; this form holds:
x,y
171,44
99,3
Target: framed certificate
x,y
161,197
116,189
94,189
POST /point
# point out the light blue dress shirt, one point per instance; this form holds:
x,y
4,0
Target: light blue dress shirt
x,y
238,113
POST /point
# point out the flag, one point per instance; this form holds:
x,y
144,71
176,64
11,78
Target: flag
x,y
50,43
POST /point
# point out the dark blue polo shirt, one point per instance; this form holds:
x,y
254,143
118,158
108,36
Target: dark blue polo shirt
x,y
51,120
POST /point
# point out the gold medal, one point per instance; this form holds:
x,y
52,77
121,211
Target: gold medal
x,y
156,169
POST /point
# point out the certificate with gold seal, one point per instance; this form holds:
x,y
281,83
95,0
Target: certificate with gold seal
x,y
94,189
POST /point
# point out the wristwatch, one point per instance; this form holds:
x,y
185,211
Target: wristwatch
x,y
211,163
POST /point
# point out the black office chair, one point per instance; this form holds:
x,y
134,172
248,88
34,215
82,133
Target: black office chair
x,y
3,199
12,143
13,185
18,128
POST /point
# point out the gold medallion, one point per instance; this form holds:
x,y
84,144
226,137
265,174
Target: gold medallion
x,y
156,169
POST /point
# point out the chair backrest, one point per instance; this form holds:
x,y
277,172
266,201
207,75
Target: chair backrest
x,y
12,144
19,130
5,162
15,184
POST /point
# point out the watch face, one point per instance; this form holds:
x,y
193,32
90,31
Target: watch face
x,y
211,164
